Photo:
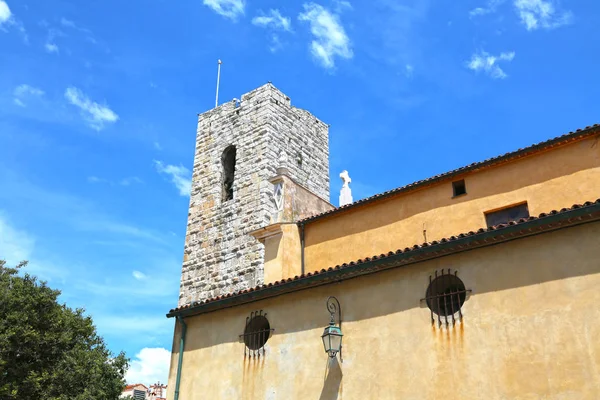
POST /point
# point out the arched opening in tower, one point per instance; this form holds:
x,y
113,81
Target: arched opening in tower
x,y
228,162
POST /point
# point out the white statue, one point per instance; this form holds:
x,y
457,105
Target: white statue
x,y
282,168
346,192
283,159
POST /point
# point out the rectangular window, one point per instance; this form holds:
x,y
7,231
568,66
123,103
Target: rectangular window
x,y
139,394
459,188
505,215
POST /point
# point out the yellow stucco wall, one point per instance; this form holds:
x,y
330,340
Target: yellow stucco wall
x,y
282,254
553,179
530,331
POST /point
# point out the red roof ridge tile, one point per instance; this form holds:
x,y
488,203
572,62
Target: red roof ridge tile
x,y
131,386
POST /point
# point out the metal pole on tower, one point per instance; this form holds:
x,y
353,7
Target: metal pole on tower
x,y
218,79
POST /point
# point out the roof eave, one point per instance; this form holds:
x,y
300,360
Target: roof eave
x,y
574,136
463,242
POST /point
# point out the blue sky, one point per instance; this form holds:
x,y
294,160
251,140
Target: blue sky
x,y
98,104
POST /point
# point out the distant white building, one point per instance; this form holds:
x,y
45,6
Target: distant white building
x,y
139,391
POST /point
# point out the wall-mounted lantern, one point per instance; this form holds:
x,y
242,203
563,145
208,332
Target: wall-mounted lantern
x,y
332,336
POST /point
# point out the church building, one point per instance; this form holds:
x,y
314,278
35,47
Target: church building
x,y
478,283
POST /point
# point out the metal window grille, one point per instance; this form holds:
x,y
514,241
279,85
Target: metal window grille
x,y
139,394
256,333
445,296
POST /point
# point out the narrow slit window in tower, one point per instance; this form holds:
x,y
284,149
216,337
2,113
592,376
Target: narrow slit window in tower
x,y
228,162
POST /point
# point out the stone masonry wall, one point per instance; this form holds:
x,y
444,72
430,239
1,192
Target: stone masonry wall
x,y
220,257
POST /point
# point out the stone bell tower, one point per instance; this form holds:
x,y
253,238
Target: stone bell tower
x,y
238,148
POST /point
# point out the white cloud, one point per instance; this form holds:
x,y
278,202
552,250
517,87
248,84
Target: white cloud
x,y
96,114
23,92
180,176
488,63
409,70
95,179
152,323
491,7
275,43
534,14
273,20
76,212
130,181
395,39
25,89
139,275
537,14
67,23
157,146
479,11
15,245
341,5
149,366
5,13
231,9
51,48
169,286
118,228
123,182
330,39
7,18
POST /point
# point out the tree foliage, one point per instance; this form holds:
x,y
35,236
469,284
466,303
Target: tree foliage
x,y
48,350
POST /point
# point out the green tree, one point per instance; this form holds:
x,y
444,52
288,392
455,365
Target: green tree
x,y
48,350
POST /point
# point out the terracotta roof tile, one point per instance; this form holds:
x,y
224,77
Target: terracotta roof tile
x,y
392,253
129,387
522,152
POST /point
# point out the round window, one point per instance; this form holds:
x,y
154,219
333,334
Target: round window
x,y
257,332
446,295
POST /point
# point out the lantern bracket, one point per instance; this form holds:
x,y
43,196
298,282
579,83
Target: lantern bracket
x,y
333,306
